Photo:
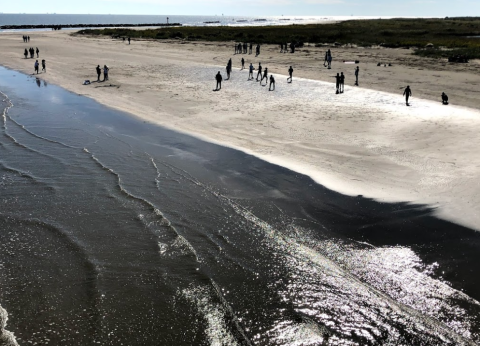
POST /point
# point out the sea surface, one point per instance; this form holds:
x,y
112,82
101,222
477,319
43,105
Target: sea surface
x,y
114,231
85,19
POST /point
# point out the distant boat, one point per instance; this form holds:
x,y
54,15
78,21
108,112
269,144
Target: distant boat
x,y
260,20
213,22
242,21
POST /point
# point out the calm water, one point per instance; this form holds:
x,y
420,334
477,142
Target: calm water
x,y
118,232
59,19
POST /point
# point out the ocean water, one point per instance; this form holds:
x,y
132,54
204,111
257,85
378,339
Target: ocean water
x,y
114,231
71,19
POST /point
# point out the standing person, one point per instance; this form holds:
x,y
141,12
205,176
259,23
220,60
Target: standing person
x,y
290,73
281,47
337,83
329,59
444,99
28,38
129,40
265,76
219,79
407,93
251,48
257,50
342,83
229,69
243,63
356,75
38,51
105,72
99,73
25,53
272,82
259,73
245,48
250,71
36,66
326,59
44,66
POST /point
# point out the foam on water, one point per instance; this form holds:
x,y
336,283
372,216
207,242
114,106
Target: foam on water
x,y
6,338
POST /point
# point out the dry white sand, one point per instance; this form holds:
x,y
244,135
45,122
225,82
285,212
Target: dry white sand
x,y
363,142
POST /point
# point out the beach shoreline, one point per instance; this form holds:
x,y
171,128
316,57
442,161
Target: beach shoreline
x,y
421,154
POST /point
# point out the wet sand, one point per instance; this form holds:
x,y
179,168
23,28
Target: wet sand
x,y
364,142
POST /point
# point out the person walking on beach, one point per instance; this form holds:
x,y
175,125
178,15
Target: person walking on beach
x,y
219,79
337,83
265,76
25,53
38,51
290,73
329,59
257,50
272,82
44,66
342,83
28,38
326,59
36,66
243,63
250,71
444,99
251,48
129,40
407,93
259,73
356,75
281,47
105,72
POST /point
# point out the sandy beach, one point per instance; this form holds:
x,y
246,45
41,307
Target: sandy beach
x,y
363,142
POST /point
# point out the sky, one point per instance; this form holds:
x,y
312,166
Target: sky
x,y
418,8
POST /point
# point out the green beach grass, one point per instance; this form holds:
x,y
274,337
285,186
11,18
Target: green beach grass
x,y
449,36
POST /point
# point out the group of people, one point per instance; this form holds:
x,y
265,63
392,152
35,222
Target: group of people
x,y
26,38
284,47
32,52
37,66
105,72
340,83
243,48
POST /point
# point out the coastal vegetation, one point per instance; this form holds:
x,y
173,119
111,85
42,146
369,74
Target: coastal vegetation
x,y
433,37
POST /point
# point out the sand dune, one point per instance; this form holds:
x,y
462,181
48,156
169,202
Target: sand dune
x,y
365,141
